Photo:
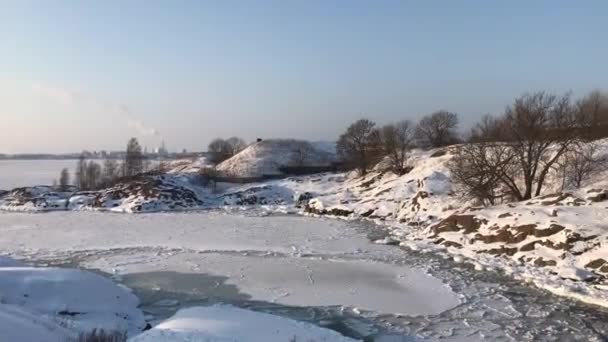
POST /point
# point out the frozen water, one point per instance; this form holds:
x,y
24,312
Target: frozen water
x,y
326,272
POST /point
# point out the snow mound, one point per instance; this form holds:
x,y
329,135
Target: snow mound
x,y
267,157
17,324
224,323
76,299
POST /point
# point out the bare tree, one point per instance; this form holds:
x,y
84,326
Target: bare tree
x,y
540,128
64,180
488,129
81,172
592,115
437,129
236,145
582,163
88,174
593,108
516,152
302,152
93,172
356,145
478,170
395,141
111,171
134,159
221,149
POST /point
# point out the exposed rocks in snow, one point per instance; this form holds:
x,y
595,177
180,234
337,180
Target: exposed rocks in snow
x,y
148,193
454,223
316,207
255,195
41,197
143,193
598,195
387,241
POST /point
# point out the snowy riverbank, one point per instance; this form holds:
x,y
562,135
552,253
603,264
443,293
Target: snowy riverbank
x,y
557,241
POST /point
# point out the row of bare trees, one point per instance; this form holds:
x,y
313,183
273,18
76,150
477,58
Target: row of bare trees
x,y
510,157
91,175
363,144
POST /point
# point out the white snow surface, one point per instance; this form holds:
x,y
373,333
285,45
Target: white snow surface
x,y
288,260
18,324
227,323
78,299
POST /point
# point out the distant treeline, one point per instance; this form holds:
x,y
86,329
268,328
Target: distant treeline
x,y
73,156
38,156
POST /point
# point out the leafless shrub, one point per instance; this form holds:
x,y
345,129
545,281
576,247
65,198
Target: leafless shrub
x,y
581,163
100,335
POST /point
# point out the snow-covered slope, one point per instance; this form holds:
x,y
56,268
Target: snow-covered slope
x,y
18,324
226,323
77,299
266,157
57,304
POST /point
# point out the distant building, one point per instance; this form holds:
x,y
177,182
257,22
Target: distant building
x,y
161,151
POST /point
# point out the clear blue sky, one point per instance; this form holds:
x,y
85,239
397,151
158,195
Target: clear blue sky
x,y
90,74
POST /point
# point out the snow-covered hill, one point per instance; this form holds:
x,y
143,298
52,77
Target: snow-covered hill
x,y
267,157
